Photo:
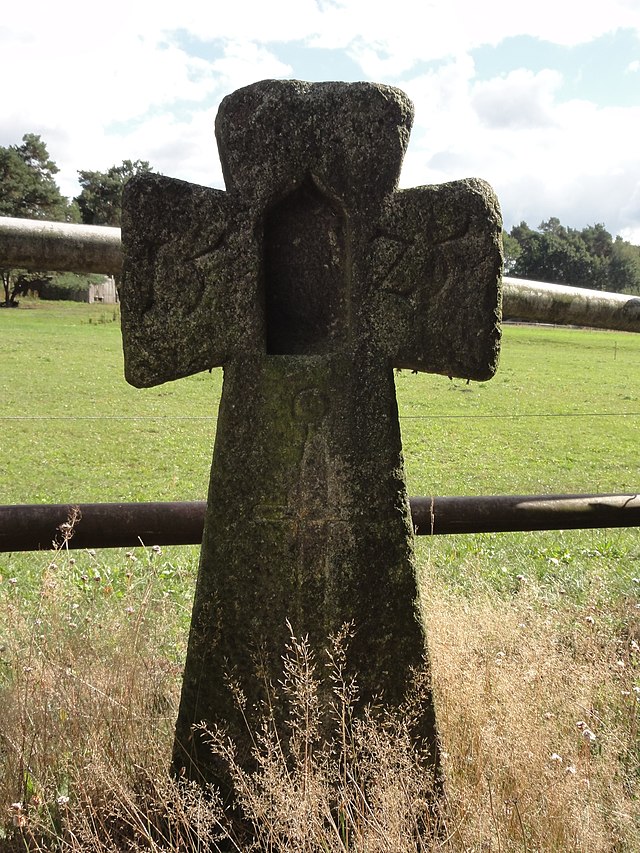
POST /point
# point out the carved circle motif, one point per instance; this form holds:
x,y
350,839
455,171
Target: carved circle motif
x,y
310,405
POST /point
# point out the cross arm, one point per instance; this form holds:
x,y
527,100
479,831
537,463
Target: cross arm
x,y
189,290
438,251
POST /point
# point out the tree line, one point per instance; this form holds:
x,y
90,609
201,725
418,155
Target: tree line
x,y
28,190
588,257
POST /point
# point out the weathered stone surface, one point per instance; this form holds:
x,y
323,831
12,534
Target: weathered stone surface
x,y
309,279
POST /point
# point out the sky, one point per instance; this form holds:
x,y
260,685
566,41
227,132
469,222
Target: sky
x,y
540,99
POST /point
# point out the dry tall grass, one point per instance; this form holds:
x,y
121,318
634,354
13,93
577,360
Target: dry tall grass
x,y
539,708
537,701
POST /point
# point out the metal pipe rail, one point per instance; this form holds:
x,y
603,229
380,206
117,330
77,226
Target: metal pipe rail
x,y
39,245
59,246
33,527
539,302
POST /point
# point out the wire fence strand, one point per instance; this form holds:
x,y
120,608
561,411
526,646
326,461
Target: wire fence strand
x,y
435,417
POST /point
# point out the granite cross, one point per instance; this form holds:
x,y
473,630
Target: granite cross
x,y
309,280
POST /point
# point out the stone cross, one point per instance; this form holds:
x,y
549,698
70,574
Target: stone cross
x,y
309,280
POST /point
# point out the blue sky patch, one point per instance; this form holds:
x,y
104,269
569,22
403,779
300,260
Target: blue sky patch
x,y
596,71
316,64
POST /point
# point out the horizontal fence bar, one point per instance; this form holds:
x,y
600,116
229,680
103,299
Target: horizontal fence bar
x,y
47,246
33,527
539,302
59,246
512,513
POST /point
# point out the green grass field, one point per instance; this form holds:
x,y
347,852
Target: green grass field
x,y
530,633
561,415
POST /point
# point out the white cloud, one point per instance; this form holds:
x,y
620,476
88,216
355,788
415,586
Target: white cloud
x,y
521,99
83,88
408,31
631,234
133,83
444,119
245,62
182,149
631,213
544,156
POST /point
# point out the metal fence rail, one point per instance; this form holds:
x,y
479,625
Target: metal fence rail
x,y
48,246
33,527
60,246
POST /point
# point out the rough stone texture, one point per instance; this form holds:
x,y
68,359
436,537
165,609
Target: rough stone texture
x,y
309,279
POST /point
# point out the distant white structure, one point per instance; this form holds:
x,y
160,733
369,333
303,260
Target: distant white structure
x,y
104,291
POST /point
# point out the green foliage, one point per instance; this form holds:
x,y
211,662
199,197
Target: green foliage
x,y
68,285
581,258
27,186
512,251
624,267
100,201
75,281
28,191
53,286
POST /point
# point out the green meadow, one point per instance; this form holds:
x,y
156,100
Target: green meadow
x,y
534,638
562,415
